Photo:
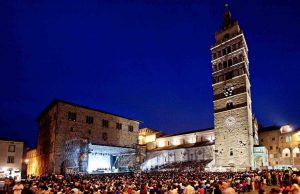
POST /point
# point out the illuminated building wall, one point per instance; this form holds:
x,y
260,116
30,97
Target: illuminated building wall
x,y
63,121
32,163
11,158
189,146
283,145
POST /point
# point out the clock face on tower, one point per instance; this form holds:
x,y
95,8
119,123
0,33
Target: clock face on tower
x,y
229,121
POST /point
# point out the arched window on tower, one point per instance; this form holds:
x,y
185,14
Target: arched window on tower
x,y
214,55
236,73
235,60
215,68
233,47
240,44
229,62
224,51
229,49
229,105
241,58
219,66
225,64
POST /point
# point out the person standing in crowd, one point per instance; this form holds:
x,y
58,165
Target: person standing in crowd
x,y
217,189
6,184
295,189
227,189
17,188
189,189
248,183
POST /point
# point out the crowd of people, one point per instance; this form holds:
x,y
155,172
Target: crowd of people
x,y
183,166
160,182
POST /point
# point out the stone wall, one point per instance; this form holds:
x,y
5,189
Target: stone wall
x,y
283,148
55,129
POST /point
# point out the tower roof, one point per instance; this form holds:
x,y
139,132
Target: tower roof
x,y
227,20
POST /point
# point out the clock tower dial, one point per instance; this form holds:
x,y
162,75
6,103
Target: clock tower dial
x,y
229,121
231,91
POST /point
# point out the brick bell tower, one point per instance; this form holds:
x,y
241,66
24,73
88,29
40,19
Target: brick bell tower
x,y
232,97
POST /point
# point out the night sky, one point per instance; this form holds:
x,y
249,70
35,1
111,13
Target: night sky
x,y
148,60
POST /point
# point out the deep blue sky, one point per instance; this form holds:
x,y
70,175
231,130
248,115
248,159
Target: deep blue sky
x,y
149,60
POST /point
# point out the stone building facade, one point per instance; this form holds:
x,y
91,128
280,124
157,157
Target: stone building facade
x,y
283,143
11,158
63,121
163,149
233,119
33,167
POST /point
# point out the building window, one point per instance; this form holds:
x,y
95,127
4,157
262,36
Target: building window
x,y
229,63
11,148
71,129
224,51
273,138
105,123
225,64
261,140
275,156
229,75
71,116
271,147
130,128
229,49
229,105
288,138
215,68
10,159
234,47
89,120
231,153
214,55
219,66
119,126
240,44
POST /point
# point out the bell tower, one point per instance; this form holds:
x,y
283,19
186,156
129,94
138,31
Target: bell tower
x,y
231,96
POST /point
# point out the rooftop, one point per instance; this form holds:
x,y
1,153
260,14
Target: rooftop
x,y
56,101
187,132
